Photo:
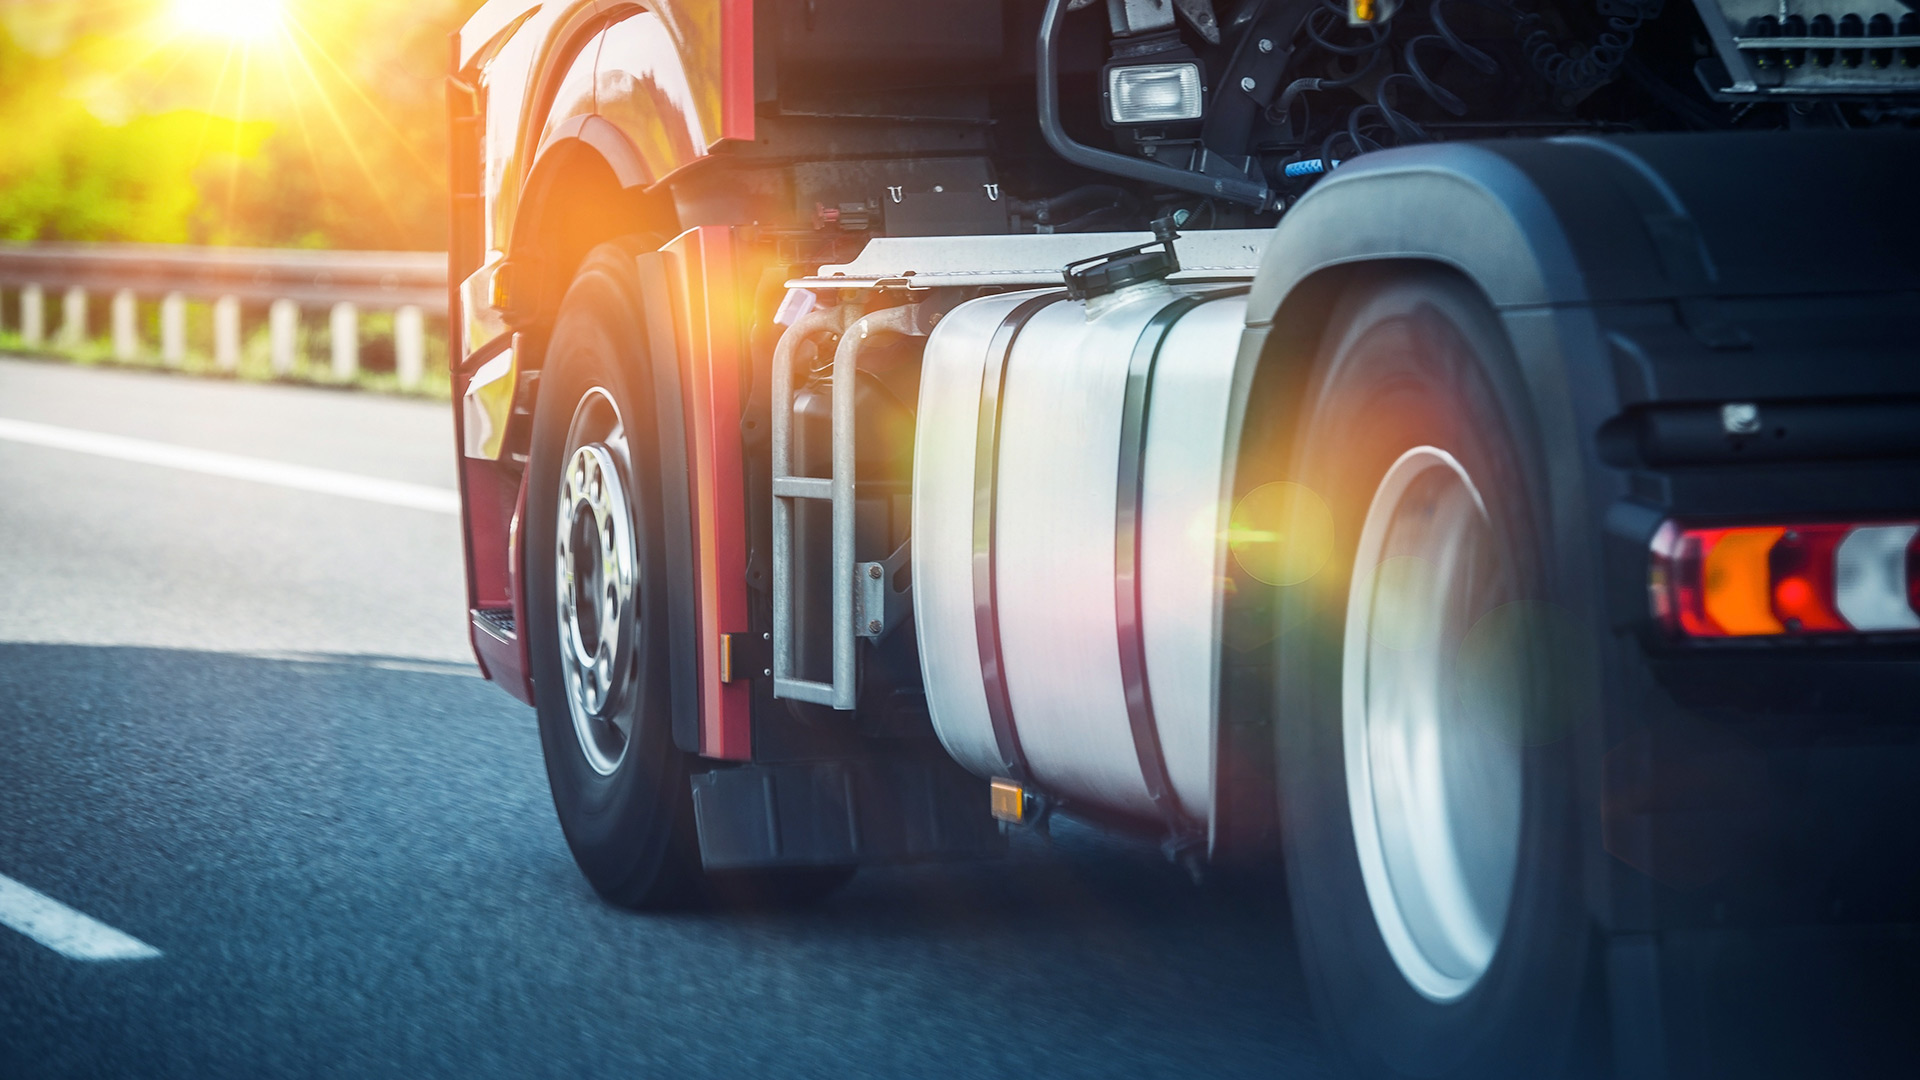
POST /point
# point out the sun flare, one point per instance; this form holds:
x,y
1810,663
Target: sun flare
x,y
239,21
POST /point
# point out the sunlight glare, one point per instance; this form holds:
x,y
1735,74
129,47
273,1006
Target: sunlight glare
x,y
235,20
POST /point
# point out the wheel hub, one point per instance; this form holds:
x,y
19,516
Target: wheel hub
x,y
596,577
1433,772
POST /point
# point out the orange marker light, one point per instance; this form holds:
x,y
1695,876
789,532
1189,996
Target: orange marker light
x,y
1735,579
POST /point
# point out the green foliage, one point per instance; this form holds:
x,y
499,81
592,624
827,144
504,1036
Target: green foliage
x,y
118,128
66,174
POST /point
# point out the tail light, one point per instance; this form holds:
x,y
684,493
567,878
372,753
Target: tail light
x,y
1787,580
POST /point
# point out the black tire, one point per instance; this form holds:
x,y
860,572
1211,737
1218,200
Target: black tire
x,y
631,831
1414,360
631,827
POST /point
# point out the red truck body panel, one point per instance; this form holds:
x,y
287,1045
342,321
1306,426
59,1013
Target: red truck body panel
x,y
709,324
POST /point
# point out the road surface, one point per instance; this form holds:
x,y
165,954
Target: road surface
x,y
240,729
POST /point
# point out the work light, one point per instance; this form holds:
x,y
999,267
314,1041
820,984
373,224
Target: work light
x,y
1153,93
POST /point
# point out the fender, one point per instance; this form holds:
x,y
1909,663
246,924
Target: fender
x,y
592,133
640,92
1636,273
1628,271
1607,221
676,78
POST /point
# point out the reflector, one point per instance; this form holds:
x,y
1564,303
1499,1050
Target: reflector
x,y
1153,93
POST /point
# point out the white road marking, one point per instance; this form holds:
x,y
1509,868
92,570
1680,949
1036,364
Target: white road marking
x,y
235,466
64,930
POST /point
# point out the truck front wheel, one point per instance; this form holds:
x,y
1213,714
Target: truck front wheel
x,y
596,588
596,599
1424,760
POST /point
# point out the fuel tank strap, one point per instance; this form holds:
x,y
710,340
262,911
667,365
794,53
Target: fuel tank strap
x,y
1129,493
1129,497
986,476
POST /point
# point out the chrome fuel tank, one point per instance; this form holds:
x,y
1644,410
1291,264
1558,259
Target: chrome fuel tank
x,y
1072,468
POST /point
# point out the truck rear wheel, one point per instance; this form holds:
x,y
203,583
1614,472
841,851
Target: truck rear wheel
x,y
1424,768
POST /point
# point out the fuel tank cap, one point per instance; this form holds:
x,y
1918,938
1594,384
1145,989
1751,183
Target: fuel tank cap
x,y
1115,270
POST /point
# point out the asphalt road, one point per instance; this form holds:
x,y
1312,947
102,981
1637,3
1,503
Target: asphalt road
x,y
239,722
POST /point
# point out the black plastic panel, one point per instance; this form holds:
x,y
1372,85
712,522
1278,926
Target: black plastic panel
x,y
837,813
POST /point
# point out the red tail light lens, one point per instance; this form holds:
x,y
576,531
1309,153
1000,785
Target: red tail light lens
x,y
1786,580
1800,568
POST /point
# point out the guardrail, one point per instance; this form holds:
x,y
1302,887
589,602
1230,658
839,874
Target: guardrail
x,y
288,282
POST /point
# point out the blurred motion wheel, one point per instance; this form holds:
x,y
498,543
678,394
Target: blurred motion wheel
x,y
1427,685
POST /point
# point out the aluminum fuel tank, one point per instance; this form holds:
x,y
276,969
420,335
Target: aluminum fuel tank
x,y
1071,476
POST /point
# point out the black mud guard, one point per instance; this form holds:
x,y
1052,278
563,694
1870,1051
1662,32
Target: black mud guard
x,y
879,808
1644,218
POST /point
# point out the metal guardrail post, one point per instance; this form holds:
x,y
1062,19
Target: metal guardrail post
x,y
173,329
410,284
226,333
73,317
283,330
33,315
409,345
126,334
344,327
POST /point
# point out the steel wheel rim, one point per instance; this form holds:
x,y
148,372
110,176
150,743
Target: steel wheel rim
x,y
1433,783
596,576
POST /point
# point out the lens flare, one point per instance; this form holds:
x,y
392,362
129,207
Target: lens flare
x,y
1281,533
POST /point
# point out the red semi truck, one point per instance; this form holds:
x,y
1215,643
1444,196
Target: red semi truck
x,y
1462,450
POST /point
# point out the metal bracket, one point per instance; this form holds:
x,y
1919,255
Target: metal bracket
x,y
877,605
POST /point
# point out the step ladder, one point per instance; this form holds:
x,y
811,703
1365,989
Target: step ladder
x,y
864,601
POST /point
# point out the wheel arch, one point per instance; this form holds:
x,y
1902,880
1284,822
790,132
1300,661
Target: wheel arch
x,y
588,186
1459,210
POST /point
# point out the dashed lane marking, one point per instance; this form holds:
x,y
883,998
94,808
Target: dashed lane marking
x,y
235,466
64,930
